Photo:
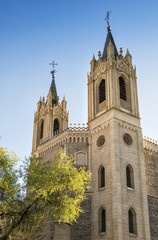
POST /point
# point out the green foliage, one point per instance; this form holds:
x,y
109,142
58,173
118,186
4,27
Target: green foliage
x,y
55,190
9,189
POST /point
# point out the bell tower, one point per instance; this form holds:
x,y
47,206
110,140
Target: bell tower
x,y
112,82
119,202
51,117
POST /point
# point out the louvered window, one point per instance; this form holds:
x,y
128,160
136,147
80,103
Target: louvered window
x,y
103,221
102,92
41,130
56,127
122,89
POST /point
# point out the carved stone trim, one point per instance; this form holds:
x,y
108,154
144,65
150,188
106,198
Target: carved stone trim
x,y
100,128
127,126
73,135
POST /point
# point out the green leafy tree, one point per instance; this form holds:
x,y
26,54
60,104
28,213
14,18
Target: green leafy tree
x,y
55,190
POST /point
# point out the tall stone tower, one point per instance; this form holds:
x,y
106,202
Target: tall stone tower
x,y
119,199
111,147
50,119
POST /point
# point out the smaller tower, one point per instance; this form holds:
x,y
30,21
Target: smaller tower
x,y
51,116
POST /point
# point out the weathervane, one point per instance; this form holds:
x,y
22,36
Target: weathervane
x,y
107,19
53,64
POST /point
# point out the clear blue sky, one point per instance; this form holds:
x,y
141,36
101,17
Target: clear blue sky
x,y
33,33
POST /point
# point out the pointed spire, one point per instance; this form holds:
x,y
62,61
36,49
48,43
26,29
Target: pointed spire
x,y
108,39
127,53
128,57
53,89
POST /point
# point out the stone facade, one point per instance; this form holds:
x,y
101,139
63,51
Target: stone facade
x,y
82,229
151,166
124,192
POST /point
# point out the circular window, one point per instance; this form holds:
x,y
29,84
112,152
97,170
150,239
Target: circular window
x,y
127,139
100,141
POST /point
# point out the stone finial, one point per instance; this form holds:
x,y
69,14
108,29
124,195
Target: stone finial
x,y
121,51
99,54
127,52
43,99
39,104
49,99
128,57
93,63
64,104
93,57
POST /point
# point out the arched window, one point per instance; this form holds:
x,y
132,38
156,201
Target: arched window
x,y
129,177
41,129
122,88
102,92
101,177
102,221
132,221
56,127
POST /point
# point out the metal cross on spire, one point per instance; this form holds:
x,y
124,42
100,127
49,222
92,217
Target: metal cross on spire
x,y
107,19
53,64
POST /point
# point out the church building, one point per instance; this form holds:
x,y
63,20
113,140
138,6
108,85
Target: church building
x,y
122,203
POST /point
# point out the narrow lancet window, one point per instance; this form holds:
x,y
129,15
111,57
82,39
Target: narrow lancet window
x,y
122,85
102,221
41,130
129,177
132,221
102,92
101,177
56,127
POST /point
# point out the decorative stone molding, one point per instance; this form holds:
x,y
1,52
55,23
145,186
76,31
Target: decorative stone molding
x,y
150,144
122,66
73,134
127,126
78,127
100,128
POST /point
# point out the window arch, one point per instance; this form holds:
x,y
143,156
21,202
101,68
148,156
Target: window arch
x,y
56,127
101,177
129,177
41,129
132,221
102,91
122,85
102,221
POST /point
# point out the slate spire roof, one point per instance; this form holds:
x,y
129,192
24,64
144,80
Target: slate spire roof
x,y
108,38
53,90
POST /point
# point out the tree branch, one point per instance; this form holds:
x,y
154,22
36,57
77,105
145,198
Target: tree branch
x,y
16,224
